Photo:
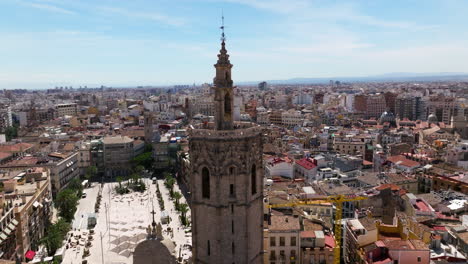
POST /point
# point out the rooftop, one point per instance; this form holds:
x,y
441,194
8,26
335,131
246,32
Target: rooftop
x,y
13,148
284,223
307,163
117,140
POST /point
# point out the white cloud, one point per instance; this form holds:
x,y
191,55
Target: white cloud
x,y
154,16
314,11
47,7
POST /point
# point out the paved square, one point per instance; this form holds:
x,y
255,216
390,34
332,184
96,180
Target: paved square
x,y
122,224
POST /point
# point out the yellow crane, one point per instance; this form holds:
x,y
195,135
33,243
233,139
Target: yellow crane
x,y
338,200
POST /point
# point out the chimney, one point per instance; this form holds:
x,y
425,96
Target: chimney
x,y
286,219
38,185
23,199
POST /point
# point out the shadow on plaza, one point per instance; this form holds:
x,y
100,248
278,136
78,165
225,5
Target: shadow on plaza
x,y
152,252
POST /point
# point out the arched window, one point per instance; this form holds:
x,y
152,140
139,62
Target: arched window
x,y
205,183
253,179
232,190
227,104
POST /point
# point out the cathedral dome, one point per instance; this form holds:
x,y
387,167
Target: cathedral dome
x,y
432,118
387,117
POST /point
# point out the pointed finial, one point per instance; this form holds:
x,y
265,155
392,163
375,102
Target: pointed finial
x,y
223,38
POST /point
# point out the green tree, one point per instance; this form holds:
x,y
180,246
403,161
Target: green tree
x,y
76,186
183,208
139,170
91,172
119,180
148,148
11,132
135,178
170,181
177,196
54,235
145,159
67,200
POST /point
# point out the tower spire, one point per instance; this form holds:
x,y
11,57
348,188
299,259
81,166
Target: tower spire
x,y
223,37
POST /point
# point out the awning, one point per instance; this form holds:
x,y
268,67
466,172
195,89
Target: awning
x,y
14,222
7,231
3,236
30,254
36,204
11,226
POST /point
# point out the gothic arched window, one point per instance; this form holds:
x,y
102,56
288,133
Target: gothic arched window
x,y
205,183
227,104
253,179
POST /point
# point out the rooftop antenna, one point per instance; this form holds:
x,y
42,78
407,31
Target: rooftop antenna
x,y
223,38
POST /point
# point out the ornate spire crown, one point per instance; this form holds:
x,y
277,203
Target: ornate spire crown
x,y
223,57
223,65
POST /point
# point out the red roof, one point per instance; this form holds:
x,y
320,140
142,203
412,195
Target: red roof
x,y
13,148
307,163
307,234
422,206
329,241
401,160
385,261
392,186
4,155
30,254
439,228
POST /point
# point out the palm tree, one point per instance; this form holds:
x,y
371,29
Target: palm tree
x,y
139,169
177,196
119,180
170,184
183,208
135,177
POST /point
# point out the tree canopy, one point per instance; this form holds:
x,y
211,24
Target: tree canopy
x,y
66,202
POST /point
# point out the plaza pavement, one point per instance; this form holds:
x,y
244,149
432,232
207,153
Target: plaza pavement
x,y
122,221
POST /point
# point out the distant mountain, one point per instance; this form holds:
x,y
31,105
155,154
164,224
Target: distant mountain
x,y
388,77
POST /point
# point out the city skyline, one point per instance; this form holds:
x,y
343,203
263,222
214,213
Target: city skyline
x,y
49,43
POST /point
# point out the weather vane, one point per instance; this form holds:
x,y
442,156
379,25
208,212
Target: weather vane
x,y
223,38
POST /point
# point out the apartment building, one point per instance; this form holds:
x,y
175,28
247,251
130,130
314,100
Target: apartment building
x,y
358,233
409,106
8,226
371,105
67,109
64,167
442,107
6,119
284,239
118,152
292,118
317,247
29,193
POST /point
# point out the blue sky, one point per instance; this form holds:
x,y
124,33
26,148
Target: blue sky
x,y
45,43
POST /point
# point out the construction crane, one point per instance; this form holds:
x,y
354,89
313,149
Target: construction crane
x,y
338,200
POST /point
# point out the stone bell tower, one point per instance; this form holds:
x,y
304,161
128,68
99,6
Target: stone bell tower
x,y
226,177
224,95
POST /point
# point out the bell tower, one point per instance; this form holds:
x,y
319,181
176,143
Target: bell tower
x,y
226,176
222,84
